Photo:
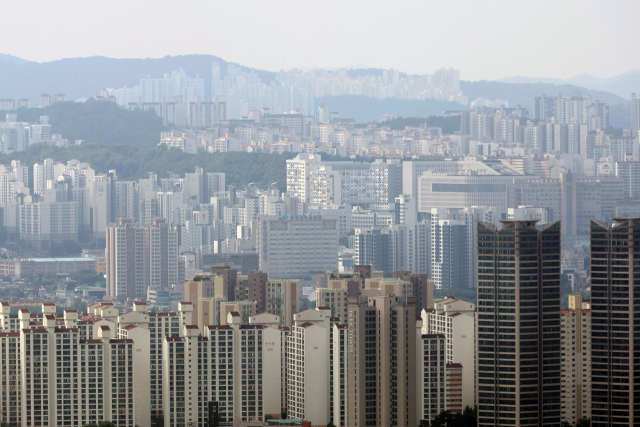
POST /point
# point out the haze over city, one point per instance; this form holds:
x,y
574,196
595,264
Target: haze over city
x,y
488,39
320,214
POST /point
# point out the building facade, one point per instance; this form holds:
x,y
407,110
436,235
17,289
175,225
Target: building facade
x,y
518,324
613,314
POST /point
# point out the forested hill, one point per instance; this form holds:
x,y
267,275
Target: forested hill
x,y
132,163
84,77
99,121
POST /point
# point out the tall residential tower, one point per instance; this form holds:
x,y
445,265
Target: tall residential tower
x,y
518,324
615,316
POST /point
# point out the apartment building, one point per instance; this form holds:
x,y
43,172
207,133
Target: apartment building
x,y
102,386
630,173
340,183
439,383
384,330
284,250
229,365
283,300
140,256
576,360
518,323
455,319
10,370
613,316
308,364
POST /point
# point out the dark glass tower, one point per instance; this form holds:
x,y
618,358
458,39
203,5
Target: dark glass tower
x,y
615,323
518,324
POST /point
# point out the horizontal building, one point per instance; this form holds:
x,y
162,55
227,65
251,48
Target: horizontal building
x,y
26,268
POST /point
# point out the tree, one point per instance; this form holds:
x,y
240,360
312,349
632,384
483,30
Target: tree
x,y
584,422
90,425
158,422
79,305
106,424
445,417
469,417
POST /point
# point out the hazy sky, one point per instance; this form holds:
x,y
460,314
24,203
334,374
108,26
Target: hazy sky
x,y
485,39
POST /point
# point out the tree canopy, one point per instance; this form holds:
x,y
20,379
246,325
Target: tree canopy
x,y
132,163
99,121
468,418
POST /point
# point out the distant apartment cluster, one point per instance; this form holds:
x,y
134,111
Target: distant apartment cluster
x,y
237,92
17,136
415,215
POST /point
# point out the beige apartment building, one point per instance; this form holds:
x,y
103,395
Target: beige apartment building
x,y
456,320
377,363
228,364
283,300
576,360
405,284
74,397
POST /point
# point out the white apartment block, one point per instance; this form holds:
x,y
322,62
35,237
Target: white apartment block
x,y
11,185
298,175
140,256
307,369
630,172
45,171
284,250
339,183
68,380
205,114
42,224
230,364
456,320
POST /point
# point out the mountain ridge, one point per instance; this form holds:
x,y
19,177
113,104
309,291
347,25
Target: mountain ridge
x,y
80,78
622,85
